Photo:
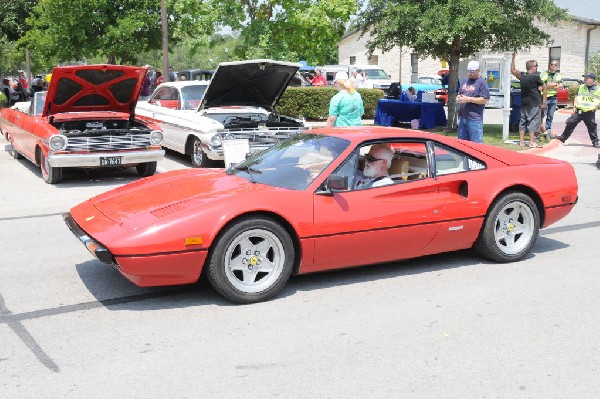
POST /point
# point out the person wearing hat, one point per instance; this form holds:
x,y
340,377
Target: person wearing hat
x,y
346,107
586,103
473,94
532,101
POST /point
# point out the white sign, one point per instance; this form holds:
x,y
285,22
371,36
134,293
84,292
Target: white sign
x,y
235,151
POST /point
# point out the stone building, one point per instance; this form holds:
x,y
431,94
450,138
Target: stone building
x,y
573,42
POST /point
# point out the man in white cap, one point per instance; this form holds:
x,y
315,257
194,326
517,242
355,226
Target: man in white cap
x,y
473,94
346,107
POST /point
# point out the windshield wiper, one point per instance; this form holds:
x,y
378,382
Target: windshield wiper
x,y
249,170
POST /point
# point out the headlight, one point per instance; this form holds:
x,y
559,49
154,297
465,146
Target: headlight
x,y
216,140
229,136
156,137
58,142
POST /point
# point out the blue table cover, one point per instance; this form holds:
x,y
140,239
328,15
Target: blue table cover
x,y
388,112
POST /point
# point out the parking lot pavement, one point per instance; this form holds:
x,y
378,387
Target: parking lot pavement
x,y
450,325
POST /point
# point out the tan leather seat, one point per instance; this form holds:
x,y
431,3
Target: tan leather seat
x,y
399,169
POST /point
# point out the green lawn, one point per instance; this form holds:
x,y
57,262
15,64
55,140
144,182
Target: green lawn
x,y
492,135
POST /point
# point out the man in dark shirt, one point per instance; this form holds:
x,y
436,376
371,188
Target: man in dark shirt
x,y
532,101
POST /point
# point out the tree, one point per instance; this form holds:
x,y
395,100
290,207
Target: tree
x,y
594,64
280,29
456,29
64,30
12,27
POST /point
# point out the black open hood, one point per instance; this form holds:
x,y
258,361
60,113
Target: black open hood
x,y
258,83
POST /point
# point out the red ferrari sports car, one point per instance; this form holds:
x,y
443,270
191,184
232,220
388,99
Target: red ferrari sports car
x,y
293,208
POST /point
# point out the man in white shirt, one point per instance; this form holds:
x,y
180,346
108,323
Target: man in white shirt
x,y
377,163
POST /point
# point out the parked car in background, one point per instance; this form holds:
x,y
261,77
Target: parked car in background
x,y
426,84
294,209
86,119
376,77
195,74
238,103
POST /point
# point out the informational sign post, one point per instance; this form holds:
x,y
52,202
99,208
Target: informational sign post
x,y
235,151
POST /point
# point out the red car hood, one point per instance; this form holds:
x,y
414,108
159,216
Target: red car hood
x,y
85,88
157,197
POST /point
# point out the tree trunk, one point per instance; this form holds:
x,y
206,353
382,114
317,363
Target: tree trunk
x,y
452,123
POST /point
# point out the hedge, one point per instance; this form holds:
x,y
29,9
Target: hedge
x,y
3,101
312,103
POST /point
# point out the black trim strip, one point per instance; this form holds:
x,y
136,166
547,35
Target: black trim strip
x,y
160,253
394,227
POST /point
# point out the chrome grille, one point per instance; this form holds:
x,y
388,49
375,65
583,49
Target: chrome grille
x,y
103,143
261,135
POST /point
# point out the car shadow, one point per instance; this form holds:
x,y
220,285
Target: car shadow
x,y
115,292
75,177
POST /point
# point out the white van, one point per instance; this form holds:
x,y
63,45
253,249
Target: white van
x,y
375,76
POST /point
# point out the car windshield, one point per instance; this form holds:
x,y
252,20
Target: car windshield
x,y
191,96
294,163
40,100
376,74
429,81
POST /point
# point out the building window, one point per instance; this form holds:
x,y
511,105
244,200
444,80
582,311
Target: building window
x,y
374,60
554,54
353,60
414,67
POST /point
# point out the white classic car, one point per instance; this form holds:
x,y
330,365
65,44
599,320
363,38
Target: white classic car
x,y
238,103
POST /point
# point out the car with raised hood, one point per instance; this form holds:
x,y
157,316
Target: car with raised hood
x,y
86,119
239,102
293,209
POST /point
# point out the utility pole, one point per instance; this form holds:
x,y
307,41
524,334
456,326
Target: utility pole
x,y
165,40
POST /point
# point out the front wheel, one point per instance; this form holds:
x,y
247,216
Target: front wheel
x,y
251,261
146,169
197,156
13,152
510,229
51,175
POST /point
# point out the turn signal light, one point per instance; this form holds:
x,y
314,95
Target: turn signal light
x,y
193,241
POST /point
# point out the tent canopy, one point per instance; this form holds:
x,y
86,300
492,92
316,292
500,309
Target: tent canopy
x,y
305,66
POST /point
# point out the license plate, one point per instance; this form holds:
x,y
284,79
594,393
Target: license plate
x,y
110,161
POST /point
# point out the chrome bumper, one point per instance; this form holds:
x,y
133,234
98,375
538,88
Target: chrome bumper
x,y
95,248
93,159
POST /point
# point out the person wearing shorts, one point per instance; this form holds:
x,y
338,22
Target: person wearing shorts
x,y
532,101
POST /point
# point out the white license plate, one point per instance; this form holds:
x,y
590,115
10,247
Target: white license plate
x,y
110,161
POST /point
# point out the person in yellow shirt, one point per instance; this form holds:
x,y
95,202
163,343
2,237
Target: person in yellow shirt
x,y
553,81
586,103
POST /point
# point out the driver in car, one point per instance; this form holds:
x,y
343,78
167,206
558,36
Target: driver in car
x,y
375,172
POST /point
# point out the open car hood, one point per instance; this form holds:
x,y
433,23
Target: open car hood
x,y
85,88
258,83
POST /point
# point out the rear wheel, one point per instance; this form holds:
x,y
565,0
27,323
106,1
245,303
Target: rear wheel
x,y
197,156
51,175
13,152
251,261
510,229
146,169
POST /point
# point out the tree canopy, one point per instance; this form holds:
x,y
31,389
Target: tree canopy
x,y
457,29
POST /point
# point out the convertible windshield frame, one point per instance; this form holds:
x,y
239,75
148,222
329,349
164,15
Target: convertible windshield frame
x,y
294,163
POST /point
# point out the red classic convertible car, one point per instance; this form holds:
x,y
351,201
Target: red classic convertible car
x,y
85,120
294,209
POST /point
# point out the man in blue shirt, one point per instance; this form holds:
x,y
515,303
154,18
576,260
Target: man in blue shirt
x,y
473,94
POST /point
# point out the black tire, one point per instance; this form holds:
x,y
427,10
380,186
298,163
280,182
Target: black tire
x,y
146,169
13,152
197,156
510,228
51,175
251,260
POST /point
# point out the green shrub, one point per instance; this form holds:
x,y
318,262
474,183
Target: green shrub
x,y
312,103
3,101
573,89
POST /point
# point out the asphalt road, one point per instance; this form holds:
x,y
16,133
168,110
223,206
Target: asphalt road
x,y
446,326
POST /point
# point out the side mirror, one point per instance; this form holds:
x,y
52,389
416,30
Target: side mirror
x,y
337,182
333,182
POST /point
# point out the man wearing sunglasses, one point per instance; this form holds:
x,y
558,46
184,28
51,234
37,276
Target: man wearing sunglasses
x,y
375,172
532,102
553,81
